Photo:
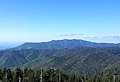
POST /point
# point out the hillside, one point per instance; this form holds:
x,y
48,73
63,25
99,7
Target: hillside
x,y
86,61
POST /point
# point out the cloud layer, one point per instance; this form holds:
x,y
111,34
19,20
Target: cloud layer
x,y
44,38
69,34
104,39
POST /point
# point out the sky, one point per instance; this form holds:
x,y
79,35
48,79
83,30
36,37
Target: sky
x,y
45,20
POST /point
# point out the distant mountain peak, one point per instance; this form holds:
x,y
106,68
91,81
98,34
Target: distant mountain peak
x,y
61,44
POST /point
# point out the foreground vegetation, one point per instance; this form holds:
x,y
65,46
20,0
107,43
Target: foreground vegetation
x,y
110,75
28,75
54,75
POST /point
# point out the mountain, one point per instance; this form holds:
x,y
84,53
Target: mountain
x,y
79,56
61,44
86,61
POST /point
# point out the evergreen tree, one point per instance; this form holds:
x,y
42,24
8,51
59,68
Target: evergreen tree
x,y
17,74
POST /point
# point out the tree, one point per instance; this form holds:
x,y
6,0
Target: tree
x,y
17,73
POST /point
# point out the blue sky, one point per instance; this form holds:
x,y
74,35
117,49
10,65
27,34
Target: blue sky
x,y
44,20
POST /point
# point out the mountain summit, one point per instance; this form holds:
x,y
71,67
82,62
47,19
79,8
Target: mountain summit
x,y
61,44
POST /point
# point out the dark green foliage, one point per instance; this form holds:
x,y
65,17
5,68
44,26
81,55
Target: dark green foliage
x,y
17,74
28,75
107,76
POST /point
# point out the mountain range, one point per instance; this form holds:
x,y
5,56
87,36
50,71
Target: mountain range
x,y
79,56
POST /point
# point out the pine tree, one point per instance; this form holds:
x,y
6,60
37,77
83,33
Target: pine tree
x,y
17,73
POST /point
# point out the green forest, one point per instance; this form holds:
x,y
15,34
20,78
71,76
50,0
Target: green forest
x,y
29,75
55,75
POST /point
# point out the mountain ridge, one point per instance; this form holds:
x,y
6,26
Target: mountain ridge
x,y
61,44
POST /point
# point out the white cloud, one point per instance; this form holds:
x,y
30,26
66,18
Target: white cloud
x,y
69,34
105,39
